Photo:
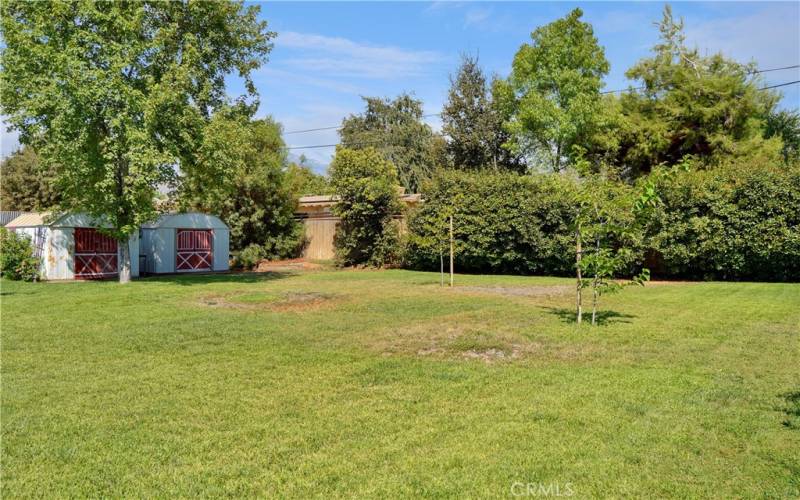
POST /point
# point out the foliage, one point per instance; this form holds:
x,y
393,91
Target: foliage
x,y
608,235
473,124
394,127
303,181
17,261
250,256
739,221
238,175
27,184
554,91
709,107
503,222
786,125
366,185
116,93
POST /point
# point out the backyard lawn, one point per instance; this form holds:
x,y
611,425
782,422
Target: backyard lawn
x,y
383,384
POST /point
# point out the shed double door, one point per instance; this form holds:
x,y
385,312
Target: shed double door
x,y
193,250
95,254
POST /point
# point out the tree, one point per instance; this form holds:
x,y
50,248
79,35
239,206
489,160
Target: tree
x,y
239,174
786,125
366,184
473,125
394,127
609,227
27,184
554,92
303,181
116,93
706,107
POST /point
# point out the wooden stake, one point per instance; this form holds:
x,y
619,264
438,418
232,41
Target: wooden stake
x,y
451,250
578,253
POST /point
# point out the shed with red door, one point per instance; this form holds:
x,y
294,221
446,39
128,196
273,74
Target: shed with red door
x,y
72,246
184,242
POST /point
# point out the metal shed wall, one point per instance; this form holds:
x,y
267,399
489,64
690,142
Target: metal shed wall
x,y
158,240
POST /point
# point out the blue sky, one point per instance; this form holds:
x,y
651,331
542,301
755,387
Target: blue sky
x,y
329,54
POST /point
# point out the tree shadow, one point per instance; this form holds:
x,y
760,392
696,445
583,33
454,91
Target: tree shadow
x,y
603,317
207,278
792,410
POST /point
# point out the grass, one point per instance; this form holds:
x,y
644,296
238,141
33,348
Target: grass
x,y
382,384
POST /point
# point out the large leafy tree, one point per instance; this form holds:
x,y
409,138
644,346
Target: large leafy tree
x,y
366,185
394,127
115,93
303,181
239,174
689,104
27,184
473,124
553,93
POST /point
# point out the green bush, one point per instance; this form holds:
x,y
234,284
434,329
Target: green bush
x,y
250,256
16,257
366,185
503,222
731,223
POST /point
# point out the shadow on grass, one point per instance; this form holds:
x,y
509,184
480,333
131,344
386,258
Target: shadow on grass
x,y
206,278
603,317
792,410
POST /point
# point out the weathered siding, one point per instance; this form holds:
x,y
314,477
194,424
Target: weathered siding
x,y
319,236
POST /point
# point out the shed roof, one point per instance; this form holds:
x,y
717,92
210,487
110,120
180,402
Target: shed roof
x,y
30,219
327,200
187,220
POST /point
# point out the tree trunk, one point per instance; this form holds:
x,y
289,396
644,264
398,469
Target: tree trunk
x,y
441,268
578,253
594,301
451,251
594,286
125,262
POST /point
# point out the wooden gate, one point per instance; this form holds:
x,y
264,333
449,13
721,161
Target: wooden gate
x,y
95,254
193,250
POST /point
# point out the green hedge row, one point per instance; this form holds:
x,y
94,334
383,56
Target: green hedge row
x,y
503,222
733,223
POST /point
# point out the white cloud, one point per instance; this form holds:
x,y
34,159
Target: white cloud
x,y
342,57
476,17
768,37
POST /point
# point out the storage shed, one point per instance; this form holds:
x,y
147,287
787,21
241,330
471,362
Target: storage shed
x,y
71,247
185,242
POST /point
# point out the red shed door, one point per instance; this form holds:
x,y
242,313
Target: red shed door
x,y
193,250
95,254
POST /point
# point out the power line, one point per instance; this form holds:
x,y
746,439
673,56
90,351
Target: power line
x,y
749,73
337,127
436,114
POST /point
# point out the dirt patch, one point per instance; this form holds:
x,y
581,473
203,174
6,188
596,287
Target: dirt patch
x,y
260,301
527,291
287,265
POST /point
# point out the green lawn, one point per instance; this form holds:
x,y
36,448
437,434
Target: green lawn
x,y
382,384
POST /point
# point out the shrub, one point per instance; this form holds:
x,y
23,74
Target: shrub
x,y
503,222
250,256
733,222
16,257
366,185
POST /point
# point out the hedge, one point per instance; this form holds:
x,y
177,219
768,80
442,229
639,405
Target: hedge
x,y
738,222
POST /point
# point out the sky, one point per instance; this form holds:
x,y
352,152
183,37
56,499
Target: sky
x,y
328,54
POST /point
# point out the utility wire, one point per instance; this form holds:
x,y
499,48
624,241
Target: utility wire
x,y
437,114
337,127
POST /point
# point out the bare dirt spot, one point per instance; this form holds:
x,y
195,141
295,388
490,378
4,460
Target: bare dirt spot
x,y
261,301
287,265
526,291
